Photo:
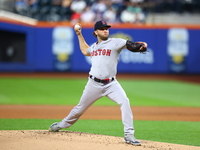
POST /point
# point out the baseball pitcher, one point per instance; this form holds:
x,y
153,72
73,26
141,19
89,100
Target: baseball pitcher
x,y
102,77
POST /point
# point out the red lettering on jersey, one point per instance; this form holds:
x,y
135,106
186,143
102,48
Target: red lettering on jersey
x,y
95,53
104,52
92,53
108,52
100,52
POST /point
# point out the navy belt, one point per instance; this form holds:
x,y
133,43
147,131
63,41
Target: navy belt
x,y
104,81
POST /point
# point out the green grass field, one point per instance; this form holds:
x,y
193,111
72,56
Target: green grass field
x,y
68,92
140,92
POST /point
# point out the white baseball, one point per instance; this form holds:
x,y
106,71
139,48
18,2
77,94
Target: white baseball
x,y
77,27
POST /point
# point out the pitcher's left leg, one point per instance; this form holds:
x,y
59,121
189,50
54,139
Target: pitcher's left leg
x,y
91,93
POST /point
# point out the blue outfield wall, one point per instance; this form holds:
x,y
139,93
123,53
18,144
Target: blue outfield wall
x,y
171,50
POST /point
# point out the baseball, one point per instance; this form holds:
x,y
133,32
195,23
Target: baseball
x,y
77,27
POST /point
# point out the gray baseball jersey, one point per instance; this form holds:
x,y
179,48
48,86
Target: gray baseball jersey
x,y
104,61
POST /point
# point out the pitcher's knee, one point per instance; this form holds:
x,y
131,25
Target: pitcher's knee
x,y
124,101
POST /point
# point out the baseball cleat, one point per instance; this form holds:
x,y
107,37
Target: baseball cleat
x,y
130,139
54,127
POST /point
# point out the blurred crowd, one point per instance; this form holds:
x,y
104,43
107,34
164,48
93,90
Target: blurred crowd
x,y
87,11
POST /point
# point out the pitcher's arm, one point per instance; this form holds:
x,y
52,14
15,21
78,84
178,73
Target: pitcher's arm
x,y
82,43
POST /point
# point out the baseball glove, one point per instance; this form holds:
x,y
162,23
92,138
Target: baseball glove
x,y
136,46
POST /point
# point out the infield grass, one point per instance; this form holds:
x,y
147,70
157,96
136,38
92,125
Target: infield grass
x,y
69,91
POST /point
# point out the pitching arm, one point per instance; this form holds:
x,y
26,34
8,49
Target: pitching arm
x,y
82,43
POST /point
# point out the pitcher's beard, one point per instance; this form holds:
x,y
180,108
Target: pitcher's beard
x,y
103,38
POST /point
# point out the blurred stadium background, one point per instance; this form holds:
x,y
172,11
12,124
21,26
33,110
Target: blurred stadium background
x,y
148,11
37,35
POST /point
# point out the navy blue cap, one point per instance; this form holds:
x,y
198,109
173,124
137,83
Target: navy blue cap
x,y
101,24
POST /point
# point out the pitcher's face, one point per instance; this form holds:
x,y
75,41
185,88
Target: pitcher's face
x,y
102,33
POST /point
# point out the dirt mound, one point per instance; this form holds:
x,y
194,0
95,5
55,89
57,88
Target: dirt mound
x,y
44,140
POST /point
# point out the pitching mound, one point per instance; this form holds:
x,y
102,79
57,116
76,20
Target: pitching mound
x,y
44,140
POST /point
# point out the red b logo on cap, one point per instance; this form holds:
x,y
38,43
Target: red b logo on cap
x,y
103,22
